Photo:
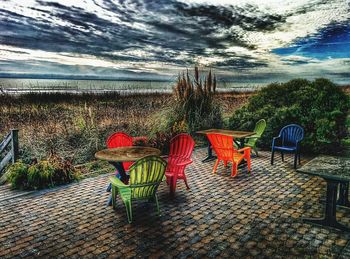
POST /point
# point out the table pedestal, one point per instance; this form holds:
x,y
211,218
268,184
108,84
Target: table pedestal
x,y
343,199
330,219
210,155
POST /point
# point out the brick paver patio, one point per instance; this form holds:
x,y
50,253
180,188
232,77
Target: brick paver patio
x,y
252,215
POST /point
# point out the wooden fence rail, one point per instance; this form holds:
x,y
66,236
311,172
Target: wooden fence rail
x,y
11,155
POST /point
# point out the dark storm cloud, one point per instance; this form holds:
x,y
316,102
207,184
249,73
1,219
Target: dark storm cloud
x,y
34,68
341,74
26,32
165,35
191,28
240,63
248,17
15,51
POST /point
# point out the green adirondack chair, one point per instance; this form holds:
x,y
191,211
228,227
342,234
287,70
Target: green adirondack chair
x,y
145,176
259,130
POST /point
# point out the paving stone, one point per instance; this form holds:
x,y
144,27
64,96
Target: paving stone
x,y
255,215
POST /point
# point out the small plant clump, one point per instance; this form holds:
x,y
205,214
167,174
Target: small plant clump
x,y
41,174
320,107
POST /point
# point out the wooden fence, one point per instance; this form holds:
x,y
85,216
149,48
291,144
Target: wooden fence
x,y
9,155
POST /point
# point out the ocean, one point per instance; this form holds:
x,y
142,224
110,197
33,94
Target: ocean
x,y
15,85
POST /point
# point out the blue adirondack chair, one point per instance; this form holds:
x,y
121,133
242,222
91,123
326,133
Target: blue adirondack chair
x,y
288,142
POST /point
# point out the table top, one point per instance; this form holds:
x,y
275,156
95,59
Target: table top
x,y
126,154
328,167
231,133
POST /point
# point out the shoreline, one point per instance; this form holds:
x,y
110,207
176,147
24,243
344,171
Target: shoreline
x,y
102,91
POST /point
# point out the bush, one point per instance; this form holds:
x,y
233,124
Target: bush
x,y
43,174
192,107
319,106
64,171
17,175
40,175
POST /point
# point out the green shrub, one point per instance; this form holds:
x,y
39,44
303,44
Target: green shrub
x,y
17,175
319,106
40,175
43,174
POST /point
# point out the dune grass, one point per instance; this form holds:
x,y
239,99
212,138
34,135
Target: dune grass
x,y
76,125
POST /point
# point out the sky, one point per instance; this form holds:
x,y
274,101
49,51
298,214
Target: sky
x,y
241,40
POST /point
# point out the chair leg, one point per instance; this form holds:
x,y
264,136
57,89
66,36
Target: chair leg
x,y
173,185
185,180
109,187
216,165
234,169
295,160
256,151
248,163
282,155
114,196
299,158
128,210
157,204
272,156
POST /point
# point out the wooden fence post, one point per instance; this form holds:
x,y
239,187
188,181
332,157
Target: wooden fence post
x,y
14,144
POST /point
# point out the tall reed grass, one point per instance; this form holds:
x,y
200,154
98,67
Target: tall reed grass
x,y
193,106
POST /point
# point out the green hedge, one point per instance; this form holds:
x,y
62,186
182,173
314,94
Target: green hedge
x,y
319,106
43,174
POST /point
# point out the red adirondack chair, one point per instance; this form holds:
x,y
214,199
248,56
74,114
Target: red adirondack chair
x,y
181,148
225,151
120,139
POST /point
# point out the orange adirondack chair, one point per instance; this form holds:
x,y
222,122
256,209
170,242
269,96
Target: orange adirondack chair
x,y
225,151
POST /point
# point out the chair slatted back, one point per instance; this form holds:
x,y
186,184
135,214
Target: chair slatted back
x,y
222,145
181,145
291,134
259,130
260,127
145,176
120,139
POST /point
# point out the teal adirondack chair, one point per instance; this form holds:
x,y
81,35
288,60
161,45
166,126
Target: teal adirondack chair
x,y
259,130
145,176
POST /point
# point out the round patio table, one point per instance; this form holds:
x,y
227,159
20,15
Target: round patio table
x,y
116,156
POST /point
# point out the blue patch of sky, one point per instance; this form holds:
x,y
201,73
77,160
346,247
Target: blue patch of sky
x,y
329,43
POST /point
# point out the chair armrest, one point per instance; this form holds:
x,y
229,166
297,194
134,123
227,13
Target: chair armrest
x,y
116,182
179,161
274,140
253,136
185,162
244,149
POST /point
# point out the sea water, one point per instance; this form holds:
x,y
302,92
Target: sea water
x,y
15,85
